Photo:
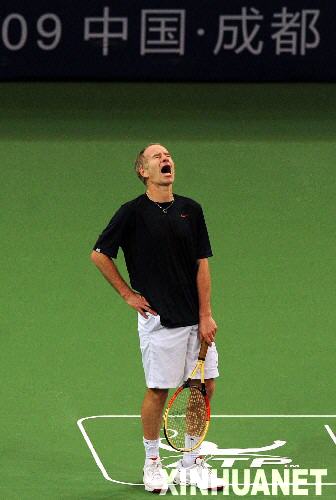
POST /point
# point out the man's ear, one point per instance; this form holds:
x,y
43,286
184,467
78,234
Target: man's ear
x,y
143,172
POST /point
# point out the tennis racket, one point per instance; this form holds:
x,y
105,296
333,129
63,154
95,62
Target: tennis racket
x,y
187,416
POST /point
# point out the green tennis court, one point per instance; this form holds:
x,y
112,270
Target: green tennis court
x,y
261,161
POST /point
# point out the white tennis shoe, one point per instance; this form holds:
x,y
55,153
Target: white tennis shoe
x,y
154,478
199,474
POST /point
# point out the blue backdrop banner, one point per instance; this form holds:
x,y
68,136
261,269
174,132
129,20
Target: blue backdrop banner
x,y
217,40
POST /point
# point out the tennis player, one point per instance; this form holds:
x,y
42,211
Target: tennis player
x,y
166,247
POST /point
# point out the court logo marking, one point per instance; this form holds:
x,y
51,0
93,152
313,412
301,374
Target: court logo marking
x,y
228,456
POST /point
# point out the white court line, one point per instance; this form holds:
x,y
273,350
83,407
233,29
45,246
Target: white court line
x,y
108,478
219,416
330,432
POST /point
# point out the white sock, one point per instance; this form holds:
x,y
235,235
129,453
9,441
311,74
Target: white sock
x,y
189,457
152,448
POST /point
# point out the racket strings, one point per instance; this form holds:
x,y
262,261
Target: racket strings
x,y
187,417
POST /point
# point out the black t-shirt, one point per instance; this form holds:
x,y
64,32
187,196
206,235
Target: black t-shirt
x,y
161,252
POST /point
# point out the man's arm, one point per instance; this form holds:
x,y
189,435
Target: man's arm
x,y
110,272
207,326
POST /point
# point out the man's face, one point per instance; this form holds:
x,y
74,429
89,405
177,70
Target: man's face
x,y
159,167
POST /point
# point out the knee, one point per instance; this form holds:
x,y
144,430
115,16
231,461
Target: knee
x,y
210,387
159,395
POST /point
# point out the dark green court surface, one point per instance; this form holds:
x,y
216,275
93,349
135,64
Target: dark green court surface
x,y
261,161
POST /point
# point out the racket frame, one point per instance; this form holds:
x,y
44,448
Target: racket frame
x,y
188,383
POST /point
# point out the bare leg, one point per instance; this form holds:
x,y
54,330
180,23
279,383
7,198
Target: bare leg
x,y
210,387
151,412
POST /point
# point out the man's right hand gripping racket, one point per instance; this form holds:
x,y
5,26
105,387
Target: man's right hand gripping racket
x,y
187,416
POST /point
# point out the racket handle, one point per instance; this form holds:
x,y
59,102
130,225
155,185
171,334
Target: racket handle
x,y
203,351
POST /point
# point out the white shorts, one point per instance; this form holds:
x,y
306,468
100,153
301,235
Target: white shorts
x,y
170,354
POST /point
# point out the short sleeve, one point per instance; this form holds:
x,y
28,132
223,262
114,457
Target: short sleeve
x,y
114,234
203,242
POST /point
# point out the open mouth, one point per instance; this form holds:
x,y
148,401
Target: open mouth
x,y
166,169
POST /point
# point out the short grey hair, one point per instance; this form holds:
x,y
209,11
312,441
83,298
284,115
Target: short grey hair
x,y
140,161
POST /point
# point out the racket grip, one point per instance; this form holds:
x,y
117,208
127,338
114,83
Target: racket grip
x,y
203,350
